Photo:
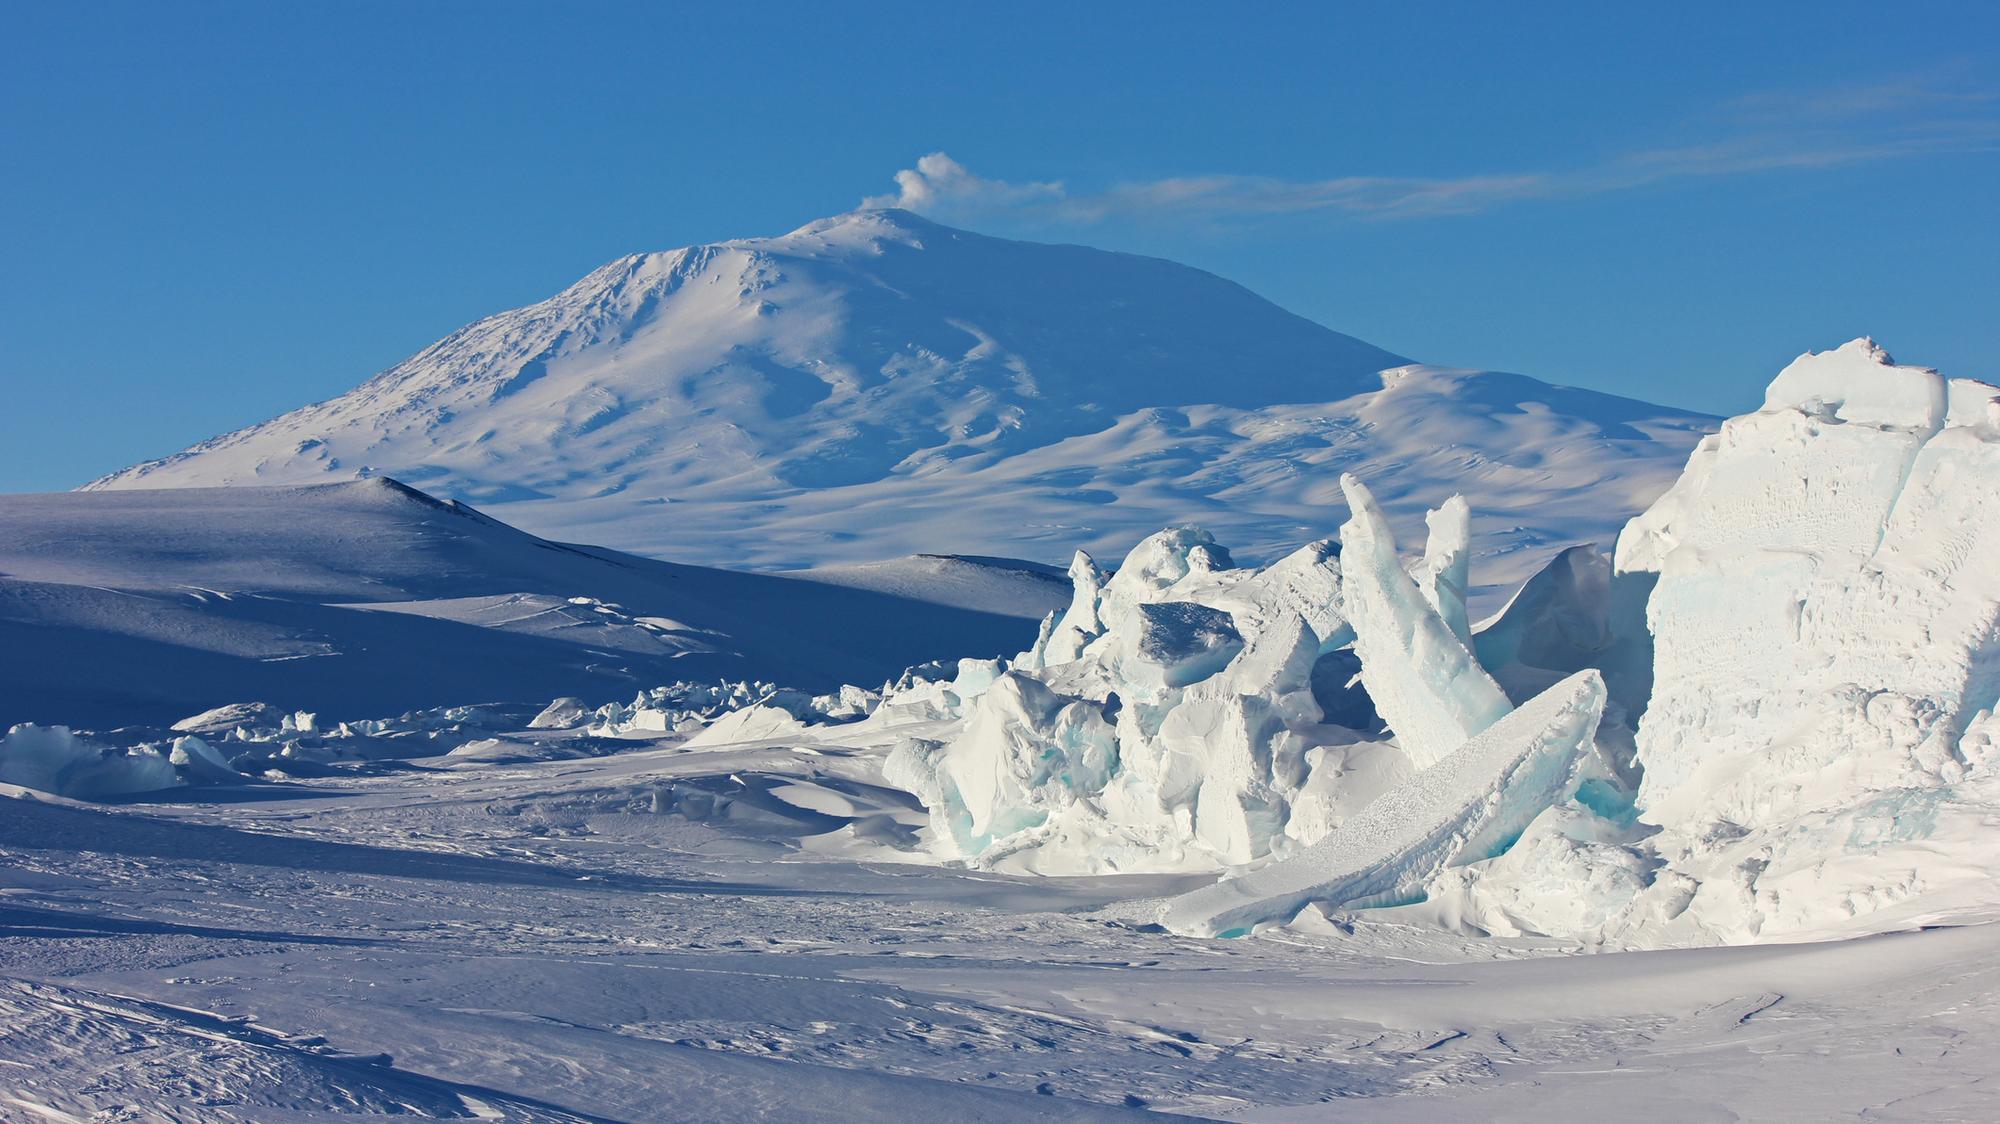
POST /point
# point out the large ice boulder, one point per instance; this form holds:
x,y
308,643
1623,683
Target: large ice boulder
x,y
1825,618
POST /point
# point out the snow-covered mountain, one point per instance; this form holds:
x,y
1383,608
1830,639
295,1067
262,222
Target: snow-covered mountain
x,y
874,385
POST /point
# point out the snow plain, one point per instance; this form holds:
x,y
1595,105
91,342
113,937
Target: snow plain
x,y
664,934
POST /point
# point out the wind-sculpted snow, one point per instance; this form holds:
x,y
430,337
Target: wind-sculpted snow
x,y
876,385
1004,586
1467,808
659,935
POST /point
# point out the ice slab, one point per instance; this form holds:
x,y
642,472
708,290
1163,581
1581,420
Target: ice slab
x,y
1470,806
1559,621
1423,678
1444,573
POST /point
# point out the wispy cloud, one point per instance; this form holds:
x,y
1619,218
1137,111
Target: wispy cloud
x,y
1839,103
1756,134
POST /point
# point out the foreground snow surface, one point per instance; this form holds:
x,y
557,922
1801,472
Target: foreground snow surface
x,y
725,934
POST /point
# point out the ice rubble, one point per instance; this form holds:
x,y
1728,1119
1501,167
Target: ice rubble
x,y
1801,641
1186,714
230,743
60,761
1151,726
741,710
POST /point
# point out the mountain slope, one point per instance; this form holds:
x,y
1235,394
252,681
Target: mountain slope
x,y
875,384
366,598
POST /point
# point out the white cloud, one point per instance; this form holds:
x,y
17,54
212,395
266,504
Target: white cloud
x,y
938,181
1763,133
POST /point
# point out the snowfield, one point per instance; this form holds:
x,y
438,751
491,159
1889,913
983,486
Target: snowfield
x,y
1311,837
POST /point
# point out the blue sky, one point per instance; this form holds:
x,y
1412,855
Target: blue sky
x,y
210,214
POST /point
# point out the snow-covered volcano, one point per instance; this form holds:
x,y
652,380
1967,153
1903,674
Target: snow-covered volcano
x,y
875,384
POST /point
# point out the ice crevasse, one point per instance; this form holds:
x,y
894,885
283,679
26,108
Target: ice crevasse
x,y
1769,714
